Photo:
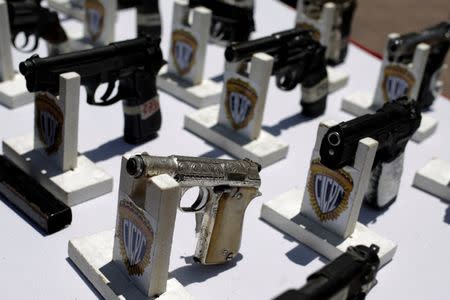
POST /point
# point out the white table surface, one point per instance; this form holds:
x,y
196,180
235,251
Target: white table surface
x,y
33,266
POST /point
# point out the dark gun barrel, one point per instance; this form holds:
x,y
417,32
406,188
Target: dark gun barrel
x,y
392,126
270,45
405,44
355,270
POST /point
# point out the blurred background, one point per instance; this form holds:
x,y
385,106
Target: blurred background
x,y
375,19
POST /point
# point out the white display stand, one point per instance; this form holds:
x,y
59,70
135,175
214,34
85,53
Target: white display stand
x,y
13,90
183,78
67,8
93,256
434,178
134,261
50,154
323,29
326,226
235,125
400,78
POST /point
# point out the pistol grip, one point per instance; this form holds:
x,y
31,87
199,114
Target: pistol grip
x,y
220,235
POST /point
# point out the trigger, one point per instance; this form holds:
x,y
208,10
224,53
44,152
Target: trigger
x,y
109,91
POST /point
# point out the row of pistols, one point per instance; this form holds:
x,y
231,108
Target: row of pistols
x,y
360,160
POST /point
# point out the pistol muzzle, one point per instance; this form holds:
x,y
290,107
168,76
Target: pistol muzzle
x,y
135,166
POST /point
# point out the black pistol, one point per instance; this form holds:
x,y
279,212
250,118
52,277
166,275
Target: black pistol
x,y
298,59
31,19
392,126
27,195
135,63
232,20
342,26
401,50
351,276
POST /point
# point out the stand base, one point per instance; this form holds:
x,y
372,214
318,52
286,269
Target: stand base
x,y
201,95
283,213
67,9
14,93
265,150
434,178
361,103
336,79
93,256
85,182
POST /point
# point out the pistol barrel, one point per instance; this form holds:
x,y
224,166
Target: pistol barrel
x,y
184,168
392,126
270,45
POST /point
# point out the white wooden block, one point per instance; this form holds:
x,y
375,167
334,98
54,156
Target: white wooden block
x,y
14,93
427,128
434,178
358,103
93,257
66,8
336,79
199,95
265,150
361,103
284,214
85,182
155,221
6,62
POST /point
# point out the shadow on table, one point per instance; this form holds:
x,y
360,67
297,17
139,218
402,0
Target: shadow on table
x,y
193,272
85,280
110,149
23,216
301,254
447,213
286,123
218,78
214,153
369,214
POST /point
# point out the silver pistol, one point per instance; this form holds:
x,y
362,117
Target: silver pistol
x,y
225,187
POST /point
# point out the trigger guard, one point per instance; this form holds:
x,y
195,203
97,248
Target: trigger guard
x,y
199,204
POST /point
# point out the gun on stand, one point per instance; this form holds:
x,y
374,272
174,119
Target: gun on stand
x,y
31,19
134,63
392,126
401,50
342,24
298,59
232,20
226,187
351,276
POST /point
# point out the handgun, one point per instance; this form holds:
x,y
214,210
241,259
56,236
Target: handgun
x,y
298,59
341,28
392,127
225,189
351,276
401,50
31,19
232,20
134,63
